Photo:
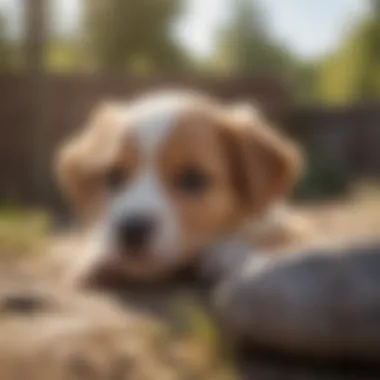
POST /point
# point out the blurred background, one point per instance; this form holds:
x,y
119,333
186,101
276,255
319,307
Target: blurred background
x,y
313,66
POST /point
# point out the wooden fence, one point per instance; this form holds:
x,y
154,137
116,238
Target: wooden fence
x,y
67,101
347,139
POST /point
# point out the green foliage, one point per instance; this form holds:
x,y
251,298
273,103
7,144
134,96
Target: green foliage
x,y
302,82
244,45
245,48
64,56
321,180
133,35
6,49
22,232
352,73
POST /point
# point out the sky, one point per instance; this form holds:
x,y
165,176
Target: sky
x,y
310,28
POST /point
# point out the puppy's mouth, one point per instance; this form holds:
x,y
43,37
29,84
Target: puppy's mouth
x,y
139,265
144,257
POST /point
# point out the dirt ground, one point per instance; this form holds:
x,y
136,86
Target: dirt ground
x,y
47,332
349,220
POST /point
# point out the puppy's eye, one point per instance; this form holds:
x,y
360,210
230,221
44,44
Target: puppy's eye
x,y
192,181
115,177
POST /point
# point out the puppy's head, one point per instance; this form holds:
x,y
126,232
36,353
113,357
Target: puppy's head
x,y
159,178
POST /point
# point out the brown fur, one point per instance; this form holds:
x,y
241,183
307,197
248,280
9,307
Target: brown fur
x,y
250,166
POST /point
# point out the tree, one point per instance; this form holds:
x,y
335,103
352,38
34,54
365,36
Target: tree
x,y
245,47
375,5
64,55
6,54
352,72
370,70
123,33
34,50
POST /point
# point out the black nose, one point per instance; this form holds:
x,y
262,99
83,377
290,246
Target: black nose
x,y
134,232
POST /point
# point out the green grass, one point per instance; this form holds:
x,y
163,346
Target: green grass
x,y
22,231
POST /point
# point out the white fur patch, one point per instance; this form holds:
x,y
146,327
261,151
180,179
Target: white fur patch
x,y
153,119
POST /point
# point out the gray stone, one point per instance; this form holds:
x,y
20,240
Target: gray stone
x,y
317,304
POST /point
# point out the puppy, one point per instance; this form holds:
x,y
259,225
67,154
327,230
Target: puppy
x,y
158,179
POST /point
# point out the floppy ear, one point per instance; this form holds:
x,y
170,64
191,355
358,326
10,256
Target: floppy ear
x,y
265,164
78,161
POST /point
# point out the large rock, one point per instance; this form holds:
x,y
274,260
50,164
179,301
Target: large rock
x,y
320,305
